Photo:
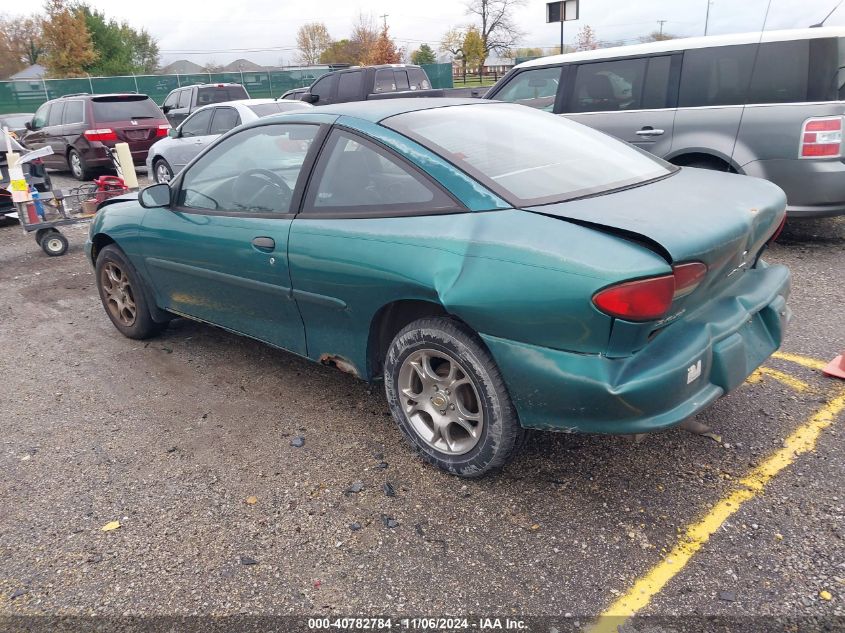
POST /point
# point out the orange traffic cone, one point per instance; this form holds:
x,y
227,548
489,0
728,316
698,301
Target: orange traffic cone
x,y
836,367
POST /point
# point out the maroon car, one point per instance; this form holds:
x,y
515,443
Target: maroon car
x,y
81,128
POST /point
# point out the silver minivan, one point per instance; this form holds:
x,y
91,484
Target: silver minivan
x,y
769,106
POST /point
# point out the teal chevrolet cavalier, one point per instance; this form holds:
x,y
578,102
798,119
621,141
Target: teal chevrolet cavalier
x,y
500,268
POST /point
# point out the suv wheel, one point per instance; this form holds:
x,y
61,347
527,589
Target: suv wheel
x,y
77,166
449,399
162,172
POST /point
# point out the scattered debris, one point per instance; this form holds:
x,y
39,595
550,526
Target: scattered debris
x,y
381,465
389,491
355,526
111,525
389,522
825,595
17,593
356,487
94,558
699,428
298,442
251,500
246,560
727,596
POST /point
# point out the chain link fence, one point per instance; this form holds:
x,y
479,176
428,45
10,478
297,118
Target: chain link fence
x,y
25,95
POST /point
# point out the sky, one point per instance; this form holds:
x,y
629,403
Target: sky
x,y
264,31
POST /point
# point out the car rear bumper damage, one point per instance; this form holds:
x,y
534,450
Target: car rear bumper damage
x,y
682,371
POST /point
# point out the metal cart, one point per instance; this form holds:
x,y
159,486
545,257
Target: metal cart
x,y
46,212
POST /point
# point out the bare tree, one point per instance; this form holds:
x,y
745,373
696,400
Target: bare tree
x,y
657,36
498,30
364,37
312,40
586,39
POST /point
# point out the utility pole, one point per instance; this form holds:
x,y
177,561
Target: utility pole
x,y
707,16
384,17
561,35
661,23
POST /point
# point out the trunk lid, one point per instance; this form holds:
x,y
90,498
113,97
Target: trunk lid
x,y
723,220
135,119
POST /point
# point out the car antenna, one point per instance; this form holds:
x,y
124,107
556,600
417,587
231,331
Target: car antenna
x,y
820,24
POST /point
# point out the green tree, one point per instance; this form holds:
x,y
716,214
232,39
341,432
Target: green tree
x,y
67,41
21,41
474,53
340,52
423,55
145,53
114,52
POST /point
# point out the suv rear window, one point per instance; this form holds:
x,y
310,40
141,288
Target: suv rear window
x,y
125,108
219,94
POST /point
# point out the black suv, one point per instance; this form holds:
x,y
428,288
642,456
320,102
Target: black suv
x,y
82,128
183,101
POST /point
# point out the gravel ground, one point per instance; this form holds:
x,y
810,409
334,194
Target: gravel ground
x,y
189,441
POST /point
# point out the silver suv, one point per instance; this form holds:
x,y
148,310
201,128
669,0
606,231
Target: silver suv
x,y
770,107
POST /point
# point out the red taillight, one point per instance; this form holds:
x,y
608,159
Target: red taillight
x,y
821,137
687,277
104,134
162,130
650,299
640,300
778,230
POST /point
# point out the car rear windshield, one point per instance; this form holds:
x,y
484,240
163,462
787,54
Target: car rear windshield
x,y
526,156
220,94
125,108
266,109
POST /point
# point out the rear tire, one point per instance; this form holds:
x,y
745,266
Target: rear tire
x,y
53,243
123,295
449,399
77,166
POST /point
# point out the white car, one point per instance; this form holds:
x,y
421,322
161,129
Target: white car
x,y
169,155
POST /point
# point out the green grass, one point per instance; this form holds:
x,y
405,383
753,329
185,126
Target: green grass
x,y
472,82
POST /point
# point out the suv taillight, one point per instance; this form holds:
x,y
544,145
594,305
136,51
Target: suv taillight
x,y
821,137
162,130
104,134
650,299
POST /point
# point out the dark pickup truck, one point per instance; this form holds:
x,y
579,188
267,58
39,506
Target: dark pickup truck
x,y
389,81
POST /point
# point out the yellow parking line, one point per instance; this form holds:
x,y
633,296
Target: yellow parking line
x,y
789,381
804,361
800,441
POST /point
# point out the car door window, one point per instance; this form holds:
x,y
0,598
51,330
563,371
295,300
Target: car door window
x,y
608,86
172,99
73,113
355,176
224,119
56,112
40,118
196,124
656,87
185,99
349,86
534,88
323,88
385,81
254,171
716,76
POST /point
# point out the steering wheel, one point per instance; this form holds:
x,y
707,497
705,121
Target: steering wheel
x,y
252,184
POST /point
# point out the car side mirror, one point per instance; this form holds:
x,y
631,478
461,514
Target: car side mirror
x,y
28,125
155,196
166,108
173,132
310,98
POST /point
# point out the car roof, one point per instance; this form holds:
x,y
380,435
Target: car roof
x,y
239,102
380,109
667,46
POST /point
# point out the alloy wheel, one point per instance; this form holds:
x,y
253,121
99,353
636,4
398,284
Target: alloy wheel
x,y
441,401
119,298
162,173
76,164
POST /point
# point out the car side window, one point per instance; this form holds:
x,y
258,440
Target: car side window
x,y
534,88
73,112
349,86
224,119
172,99
385,81
56,113
323,88
355,176
185,98
401,78
39,120
656,87
418,79
782,73
253,171
196,124
716,76
608,86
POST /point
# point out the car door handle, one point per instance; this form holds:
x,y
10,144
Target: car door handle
x,y
648,131
264,243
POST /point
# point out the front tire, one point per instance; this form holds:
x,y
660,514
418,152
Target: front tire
x,y
162,172
77,166
449,399
123,295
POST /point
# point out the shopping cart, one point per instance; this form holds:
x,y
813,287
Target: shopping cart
x,y
47,211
